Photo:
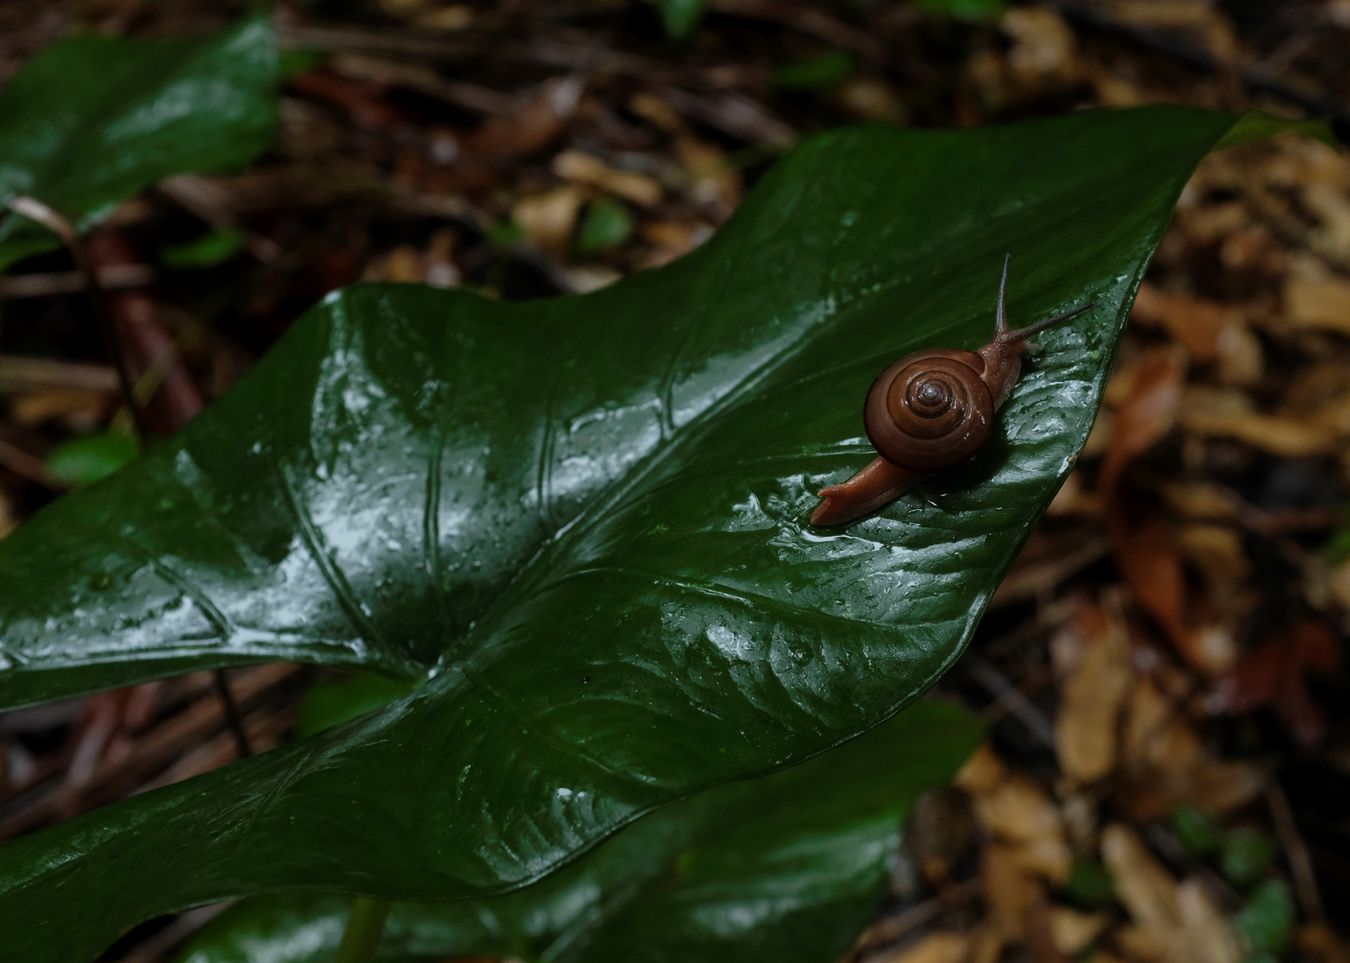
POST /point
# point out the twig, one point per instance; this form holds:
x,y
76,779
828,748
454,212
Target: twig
x,y
29,374
48,217
1296,851
233,720
25,465
892,929
72,282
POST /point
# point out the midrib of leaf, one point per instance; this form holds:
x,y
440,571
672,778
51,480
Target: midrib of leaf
x,y
554,554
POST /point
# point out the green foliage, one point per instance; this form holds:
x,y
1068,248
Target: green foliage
x,y
1246,855
208,250
785,868
1089,883
606,225
1197,831
1267,921
335,701
964,9
92,120
593,560
680,17
83,461
814,73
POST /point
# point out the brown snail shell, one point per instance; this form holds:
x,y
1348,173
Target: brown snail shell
x,y
930,410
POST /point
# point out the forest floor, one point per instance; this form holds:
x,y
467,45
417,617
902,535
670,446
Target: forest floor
x,y
1168,770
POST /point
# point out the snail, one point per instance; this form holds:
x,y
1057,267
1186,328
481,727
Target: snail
x,y
929,411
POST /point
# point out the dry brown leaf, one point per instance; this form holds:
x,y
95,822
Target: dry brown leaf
x,y
1338,581
548,218
1179,919
713,180
642,189
1146,414
1319,303
1320,944
1223,413
1009,890
77,409
1144,887
872,100
1073,931
941,831
1218,553
1208,934
1165,763
1019,812
934,948
1044,52
7,520
1195,322
982,772
1087,728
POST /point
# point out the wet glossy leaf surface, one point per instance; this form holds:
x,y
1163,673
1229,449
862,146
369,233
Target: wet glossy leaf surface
x,y
788,867
582,523
93,120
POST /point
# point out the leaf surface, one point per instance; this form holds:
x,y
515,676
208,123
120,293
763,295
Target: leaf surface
x,y
581,524
788,867
92,120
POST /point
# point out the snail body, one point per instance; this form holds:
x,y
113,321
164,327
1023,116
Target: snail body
x,y
929,411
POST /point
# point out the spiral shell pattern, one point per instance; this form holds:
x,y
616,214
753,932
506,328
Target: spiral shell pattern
x,y
930,409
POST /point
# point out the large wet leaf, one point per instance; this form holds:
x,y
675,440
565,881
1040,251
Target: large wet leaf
x,y
93,120
582,523
786,868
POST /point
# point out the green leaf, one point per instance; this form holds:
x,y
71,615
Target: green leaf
x,y
680,17
581,524
1247,854
1200,834
814,73
785,868
964,9
607,224
208,250
1267,921
83,461
92,120
1089,883
334,701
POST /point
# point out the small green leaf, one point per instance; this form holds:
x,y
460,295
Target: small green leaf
x,y
1247,854
505,234
1200,834
1089,883
1267,921
1259,125
814,73
976,10
680,17
786,868
205,251
83,461
607,224
92,120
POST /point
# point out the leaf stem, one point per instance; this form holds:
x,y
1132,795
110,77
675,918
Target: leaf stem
x,y
56,222
365,926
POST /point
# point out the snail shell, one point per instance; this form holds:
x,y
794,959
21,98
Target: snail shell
x,y
930,410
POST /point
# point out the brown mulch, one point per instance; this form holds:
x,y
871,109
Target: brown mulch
x,y
1163,670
